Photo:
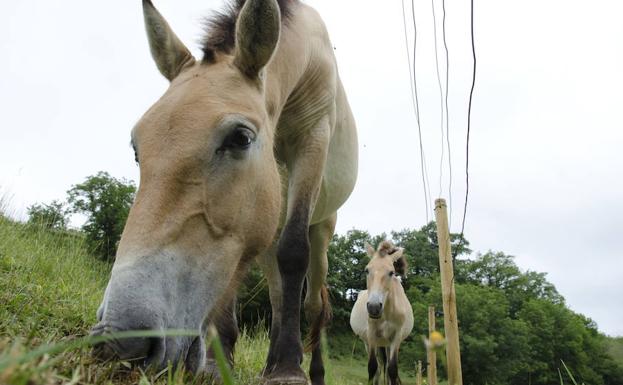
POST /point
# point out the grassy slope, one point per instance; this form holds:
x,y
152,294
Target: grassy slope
x,y
48,283
50,288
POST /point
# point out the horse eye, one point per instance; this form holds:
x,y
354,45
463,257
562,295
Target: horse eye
x,y
391,273
366,270
240,139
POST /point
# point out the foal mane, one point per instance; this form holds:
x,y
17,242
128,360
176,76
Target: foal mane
x,y
387,248
221,27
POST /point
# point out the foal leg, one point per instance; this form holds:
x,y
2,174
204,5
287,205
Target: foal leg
x,y
268,264
373,366
317,307
227,326
382,353
392,369
226,323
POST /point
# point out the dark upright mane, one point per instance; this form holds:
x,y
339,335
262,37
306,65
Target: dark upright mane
x,y
221,27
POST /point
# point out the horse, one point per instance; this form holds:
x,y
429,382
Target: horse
x,y
247,155
382,315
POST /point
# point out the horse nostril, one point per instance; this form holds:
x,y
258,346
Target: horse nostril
x,y
374,309
104,350
145,350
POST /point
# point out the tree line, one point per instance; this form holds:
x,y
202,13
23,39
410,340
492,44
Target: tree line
x,y
514,326
103,199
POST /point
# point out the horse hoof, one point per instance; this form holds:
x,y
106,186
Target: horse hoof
x,y
286,380
290,377
212,373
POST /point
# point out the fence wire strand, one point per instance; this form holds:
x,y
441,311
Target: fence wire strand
x,y
415,102
469,126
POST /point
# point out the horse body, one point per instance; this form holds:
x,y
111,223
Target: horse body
x,y
382,315
304,90
249,153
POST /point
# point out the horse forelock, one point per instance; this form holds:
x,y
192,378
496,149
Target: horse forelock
x,y
220,27
385,248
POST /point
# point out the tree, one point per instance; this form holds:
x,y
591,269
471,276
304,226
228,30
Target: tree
x,y
106,202
515,327
51,216
499,271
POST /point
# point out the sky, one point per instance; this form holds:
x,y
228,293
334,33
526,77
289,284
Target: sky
x,y
545,150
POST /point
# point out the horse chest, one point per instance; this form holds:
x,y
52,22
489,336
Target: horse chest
x,y
381,333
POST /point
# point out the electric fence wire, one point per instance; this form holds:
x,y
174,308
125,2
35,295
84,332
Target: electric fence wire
x,y
469,125
415,103
427,186
445,45
441,100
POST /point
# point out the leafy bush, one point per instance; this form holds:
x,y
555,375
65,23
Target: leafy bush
x,y
106,202
51,216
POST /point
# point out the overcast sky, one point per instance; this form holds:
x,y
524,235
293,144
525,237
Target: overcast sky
x,y
547,128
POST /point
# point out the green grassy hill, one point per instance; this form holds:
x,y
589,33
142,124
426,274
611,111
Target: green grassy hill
x,y
50,288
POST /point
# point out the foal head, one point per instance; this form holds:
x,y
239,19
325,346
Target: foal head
x,y
209,197
386,262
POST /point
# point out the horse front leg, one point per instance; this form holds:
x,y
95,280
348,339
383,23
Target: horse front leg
x,y
293,252
227,326
373,366
392,367
268,264
317,306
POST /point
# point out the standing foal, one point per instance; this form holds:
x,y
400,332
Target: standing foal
x,y
382,316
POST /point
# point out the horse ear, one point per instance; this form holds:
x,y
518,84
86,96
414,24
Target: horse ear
x,y
169,53
396,254
257,35
370,250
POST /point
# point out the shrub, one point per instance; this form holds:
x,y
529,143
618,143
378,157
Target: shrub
x,y
106,202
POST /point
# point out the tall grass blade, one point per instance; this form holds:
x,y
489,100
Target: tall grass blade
x,y
568,372
53,349
221,361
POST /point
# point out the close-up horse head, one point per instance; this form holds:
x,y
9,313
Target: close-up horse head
x,y
247,155
210,195
386,263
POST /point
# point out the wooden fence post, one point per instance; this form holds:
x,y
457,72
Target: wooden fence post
x,y
450,322
418,373
431,354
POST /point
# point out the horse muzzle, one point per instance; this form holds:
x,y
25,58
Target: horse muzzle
x,y
375,309
149,318
154,351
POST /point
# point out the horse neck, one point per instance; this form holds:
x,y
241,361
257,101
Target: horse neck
x,y
391,303
294,66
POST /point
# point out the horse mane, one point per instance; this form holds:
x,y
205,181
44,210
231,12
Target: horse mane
x,y
401,266
221,27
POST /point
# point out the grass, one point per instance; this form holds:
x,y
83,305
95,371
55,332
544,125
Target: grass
x,y
50,287
568,372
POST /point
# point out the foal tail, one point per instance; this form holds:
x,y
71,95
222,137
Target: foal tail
x,y
313,337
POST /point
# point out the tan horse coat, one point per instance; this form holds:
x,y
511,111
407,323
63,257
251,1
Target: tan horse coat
x,y
249,153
